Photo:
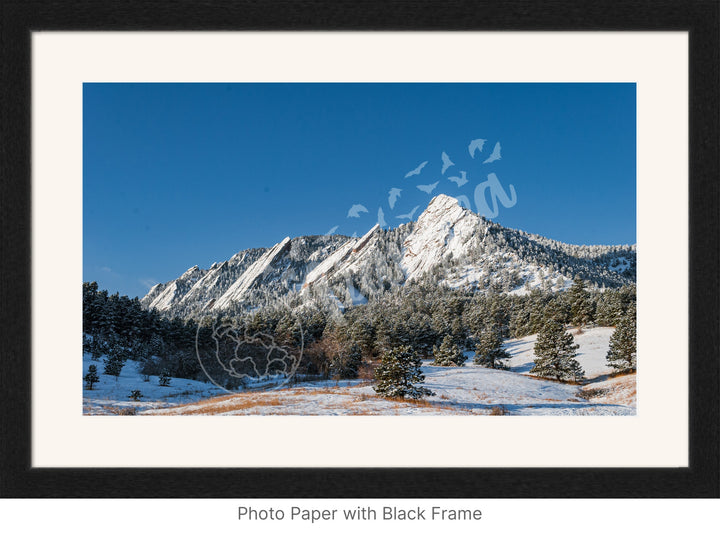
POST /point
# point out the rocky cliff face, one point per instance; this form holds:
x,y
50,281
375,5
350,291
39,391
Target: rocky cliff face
x,y
444,231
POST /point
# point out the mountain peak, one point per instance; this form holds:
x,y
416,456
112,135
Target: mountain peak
x,y
446,208
444,230
443,200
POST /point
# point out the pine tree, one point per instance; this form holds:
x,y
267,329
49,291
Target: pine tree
x,y
97,347
362,333
556,309
614,304
91,377
489,351
113,366
164,379
581,306
448,354
135,395
605,311
555,353
397,373
346,364
622,354
353,362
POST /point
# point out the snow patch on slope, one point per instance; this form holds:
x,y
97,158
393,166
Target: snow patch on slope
x,y
594,344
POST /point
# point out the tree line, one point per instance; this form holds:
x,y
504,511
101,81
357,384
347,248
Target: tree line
x,y
427,320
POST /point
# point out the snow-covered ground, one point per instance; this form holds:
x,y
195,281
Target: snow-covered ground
x,y
593,344
467,390
619,390
111,396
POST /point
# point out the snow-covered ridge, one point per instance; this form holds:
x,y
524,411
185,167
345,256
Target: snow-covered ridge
x,y
330,262
448,245
175,290
210,285
345,254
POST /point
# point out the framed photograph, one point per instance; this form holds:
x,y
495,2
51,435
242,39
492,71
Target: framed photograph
x,y
431,259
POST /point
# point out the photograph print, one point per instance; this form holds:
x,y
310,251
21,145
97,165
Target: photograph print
x,y
359,249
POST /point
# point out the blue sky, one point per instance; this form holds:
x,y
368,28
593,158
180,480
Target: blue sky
x,y
176,175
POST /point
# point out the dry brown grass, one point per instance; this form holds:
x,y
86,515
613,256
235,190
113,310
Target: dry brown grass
x,y
326,390
235,402
345,399
619,389
122,411
238,405
623,373
421,402
498,410
252,402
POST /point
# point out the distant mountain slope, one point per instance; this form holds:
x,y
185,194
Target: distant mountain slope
x,y
198,287
447,245
247,279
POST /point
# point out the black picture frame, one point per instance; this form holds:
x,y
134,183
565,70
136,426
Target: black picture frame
x,y
701,18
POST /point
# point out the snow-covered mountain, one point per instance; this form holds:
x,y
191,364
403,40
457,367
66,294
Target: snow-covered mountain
x,y
448,244
445,230
197,285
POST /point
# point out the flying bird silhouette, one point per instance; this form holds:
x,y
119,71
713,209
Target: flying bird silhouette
x,y
495,154
428,188
476,145
393,195
447,162
461,180
410,215
332,230
381,218
355,210
417,170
